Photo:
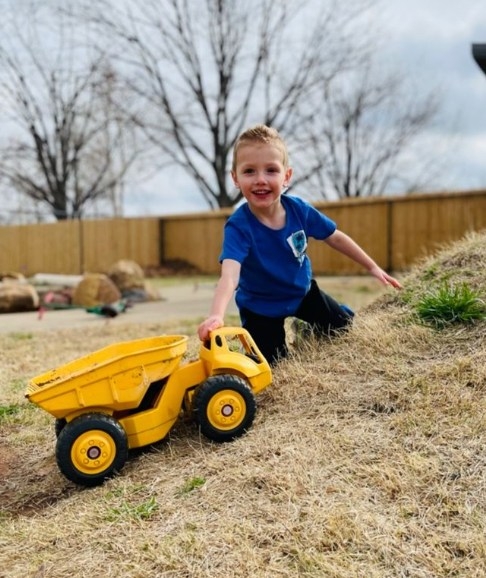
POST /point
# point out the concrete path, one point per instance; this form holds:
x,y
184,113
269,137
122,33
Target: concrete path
x,y
184,301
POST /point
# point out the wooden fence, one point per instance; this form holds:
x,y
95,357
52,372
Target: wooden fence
x,y
396,231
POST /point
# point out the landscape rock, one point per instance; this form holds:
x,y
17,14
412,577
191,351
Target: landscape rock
x,y
95,289
127,275
12,277
17,297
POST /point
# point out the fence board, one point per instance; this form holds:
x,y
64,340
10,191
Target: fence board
x,y
46,247
367,222
106,241
195,238
422,223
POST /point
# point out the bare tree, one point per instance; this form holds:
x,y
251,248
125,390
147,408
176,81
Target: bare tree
x,y
204,69
67,146
360,140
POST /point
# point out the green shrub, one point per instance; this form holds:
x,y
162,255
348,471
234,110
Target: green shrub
x,y
450,304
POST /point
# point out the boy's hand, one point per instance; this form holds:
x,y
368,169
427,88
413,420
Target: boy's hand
x,y
385,279
213,322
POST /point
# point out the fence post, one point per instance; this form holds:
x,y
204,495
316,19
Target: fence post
x,y
161,241
81,245
389,237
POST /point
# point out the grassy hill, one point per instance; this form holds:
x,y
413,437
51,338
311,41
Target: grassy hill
x,y
367,459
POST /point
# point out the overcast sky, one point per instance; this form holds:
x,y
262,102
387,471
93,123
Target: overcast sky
x,y
430,40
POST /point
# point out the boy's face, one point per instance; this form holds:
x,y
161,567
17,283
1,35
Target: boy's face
x,y
260,173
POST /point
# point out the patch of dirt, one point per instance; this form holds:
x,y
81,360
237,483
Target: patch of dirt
x,y
17,476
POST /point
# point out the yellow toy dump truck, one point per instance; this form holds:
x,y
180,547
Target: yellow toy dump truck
x,y
130,394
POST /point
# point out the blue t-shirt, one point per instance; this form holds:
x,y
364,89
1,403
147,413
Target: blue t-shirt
x,y
275,269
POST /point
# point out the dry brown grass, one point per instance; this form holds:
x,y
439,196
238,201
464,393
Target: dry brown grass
x,y
366,460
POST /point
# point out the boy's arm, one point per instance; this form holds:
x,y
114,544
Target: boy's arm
x,y
345,245
227,284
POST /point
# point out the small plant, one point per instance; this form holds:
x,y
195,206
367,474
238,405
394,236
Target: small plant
x,y
8,410
191,485
451,304
143,511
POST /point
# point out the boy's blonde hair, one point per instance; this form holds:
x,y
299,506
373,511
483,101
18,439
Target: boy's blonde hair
x,y
260,133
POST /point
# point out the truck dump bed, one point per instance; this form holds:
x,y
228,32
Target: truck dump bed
x,y
115,377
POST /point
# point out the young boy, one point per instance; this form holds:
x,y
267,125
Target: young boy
x,y
264,251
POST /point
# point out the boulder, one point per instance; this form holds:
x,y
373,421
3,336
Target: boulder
x,y
127,275
95,289
12,277
16,297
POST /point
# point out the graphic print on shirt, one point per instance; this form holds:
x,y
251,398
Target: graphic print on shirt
x,y
298,244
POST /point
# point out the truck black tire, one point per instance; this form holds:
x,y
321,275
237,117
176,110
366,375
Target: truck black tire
x,y
91,448
59,426
224,407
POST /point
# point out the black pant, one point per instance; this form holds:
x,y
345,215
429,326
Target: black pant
x,y
320,310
